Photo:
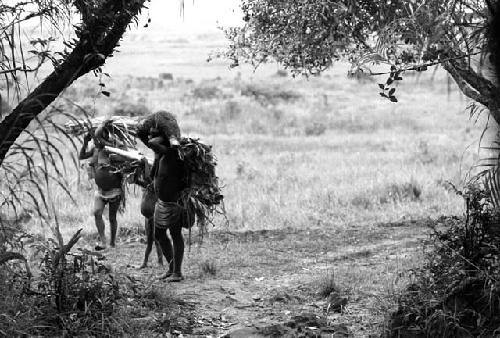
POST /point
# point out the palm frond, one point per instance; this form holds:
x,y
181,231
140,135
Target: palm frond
x,y
35,165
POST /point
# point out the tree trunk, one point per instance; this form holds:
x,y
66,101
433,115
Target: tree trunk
x,y
19,119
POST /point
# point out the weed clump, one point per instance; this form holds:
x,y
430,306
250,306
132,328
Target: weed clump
x,y
315,129
457,291
408,191
206,92
326,285
269,94
74,295
131,109
208,267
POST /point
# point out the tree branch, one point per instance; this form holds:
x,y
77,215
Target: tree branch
x,y
97,40
66,248
475,87
17,69
479,83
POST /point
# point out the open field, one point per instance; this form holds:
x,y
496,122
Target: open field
x,y
323,181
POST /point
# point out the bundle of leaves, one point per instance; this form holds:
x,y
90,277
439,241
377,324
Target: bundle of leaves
x,y
203,197
457,291
122,128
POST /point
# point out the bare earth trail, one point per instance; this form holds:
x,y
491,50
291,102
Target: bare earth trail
x,y
268,277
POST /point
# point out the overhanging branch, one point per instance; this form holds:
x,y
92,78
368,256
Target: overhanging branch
x,y
464,85
479,83
96,43
478,89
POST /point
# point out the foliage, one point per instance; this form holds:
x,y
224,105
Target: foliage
x,y
131,109
407,191
327,284
35,163
81,289
206,92
308,36
203,196
74,294
268,94
457,292
208,267
315,129
52,16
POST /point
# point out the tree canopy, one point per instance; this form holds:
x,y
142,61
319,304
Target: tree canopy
x,y
307,36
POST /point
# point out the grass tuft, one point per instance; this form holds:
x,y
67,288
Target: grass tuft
x,y
326,285
208,267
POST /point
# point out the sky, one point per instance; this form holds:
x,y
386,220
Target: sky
x,y
199,15
177,43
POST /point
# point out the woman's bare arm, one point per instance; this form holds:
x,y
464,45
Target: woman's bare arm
x,y
157,145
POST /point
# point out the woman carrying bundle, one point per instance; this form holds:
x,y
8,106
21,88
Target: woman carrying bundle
x,y
160,132
109,183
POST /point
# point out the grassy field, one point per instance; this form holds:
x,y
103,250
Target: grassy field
x,y
323,180
301,153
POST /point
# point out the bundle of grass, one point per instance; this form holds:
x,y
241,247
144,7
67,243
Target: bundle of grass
x,y
203,196
457,291
123,129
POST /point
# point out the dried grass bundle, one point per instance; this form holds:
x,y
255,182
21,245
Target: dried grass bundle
x,y
203,197
123,129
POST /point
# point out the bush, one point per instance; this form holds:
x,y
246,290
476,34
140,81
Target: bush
x,y
206,92
326,285
232,111
269,94
131,109
457,291
315,129
281,73
75,295
408,191
208,267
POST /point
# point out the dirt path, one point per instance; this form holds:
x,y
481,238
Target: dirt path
x,y
268,277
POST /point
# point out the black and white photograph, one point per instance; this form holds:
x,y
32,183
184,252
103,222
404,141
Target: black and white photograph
x,y
250,168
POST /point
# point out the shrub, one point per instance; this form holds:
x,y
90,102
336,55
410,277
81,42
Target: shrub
x,y
362,201
281,73
456,293
408,191
75,294
315,129
206,92
232,111
269,94
326,285
166,76
131,109
208,267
